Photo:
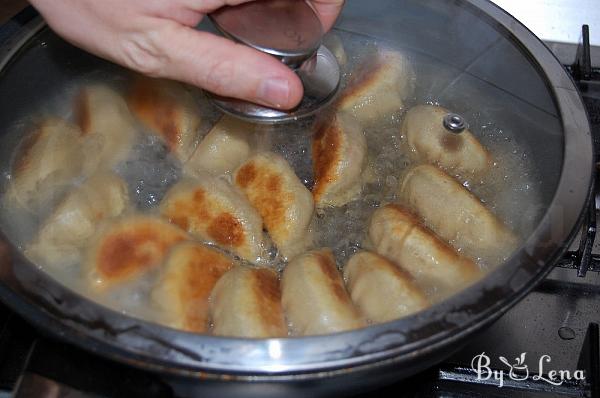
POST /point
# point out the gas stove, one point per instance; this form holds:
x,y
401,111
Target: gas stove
x,y
546,346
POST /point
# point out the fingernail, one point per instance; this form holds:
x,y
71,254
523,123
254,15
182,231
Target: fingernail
x,y
275,91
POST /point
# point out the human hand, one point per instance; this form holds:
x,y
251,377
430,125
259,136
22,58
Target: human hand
x,y
157,38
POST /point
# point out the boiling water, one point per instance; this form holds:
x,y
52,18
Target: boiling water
x,y
512,184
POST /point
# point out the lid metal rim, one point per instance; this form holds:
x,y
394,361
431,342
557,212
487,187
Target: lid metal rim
x,y
276,52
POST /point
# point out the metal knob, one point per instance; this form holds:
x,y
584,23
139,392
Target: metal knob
x,y
454,123
291,31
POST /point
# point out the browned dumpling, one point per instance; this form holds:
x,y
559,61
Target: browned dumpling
x,y
107,127
68,229
429,141
334,43
435,265
223,149
284,203
314,297
129,247
379,88
181,293
456,214
46,162
381,290
169,111
339,151
212,210
246,302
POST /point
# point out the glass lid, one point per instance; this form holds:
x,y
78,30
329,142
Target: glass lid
x,y
452,124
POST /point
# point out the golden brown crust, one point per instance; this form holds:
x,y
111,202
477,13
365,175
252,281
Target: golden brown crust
x,y
268,294
326,149
82,116
314,296
382,290
246,175
362,82
194,209
395,269
403,238
246,302
437,243
23,159
327,265
212,210
158,111
452,142
265,191
225,229
197,269
132,246
285,205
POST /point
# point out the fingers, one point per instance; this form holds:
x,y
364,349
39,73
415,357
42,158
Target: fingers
x,y
328,11
187,12
225,68
208,6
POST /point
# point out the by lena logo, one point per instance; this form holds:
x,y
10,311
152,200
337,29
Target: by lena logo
x,y
519,371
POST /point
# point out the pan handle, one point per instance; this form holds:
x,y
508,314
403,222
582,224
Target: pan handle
x,y
16,23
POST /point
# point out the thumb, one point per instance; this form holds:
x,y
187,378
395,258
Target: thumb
x,y
228,69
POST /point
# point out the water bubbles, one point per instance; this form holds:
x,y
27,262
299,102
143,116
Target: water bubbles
x,y
149,172
512,183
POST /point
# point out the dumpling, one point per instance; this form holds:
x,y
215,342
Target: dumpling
x,y
436,266
379,88
428,141
246,302
314,297
339,151
223,149
381,290
108,128
67,231
46,162
456,214
169,111
212,210
284,203
334,44
190,273
129,247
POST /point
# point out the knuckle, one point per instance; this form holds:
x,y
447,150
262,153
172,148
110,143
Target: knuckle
x,y
218,76
142,53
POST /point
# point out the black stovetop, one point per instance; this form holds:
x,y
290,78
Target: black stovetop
x,y
555,325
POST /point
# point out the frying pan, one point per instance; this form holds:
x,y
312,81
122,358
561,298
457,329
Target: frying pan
x,y
481,46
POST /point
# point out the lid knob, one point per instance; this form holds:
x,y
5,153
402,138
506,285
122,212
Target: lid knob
x,y
291,31
454,123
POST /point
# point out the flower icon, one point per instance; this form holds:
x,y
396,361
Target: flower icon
x,y
519,370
